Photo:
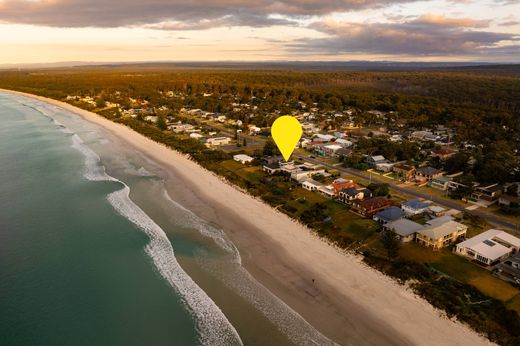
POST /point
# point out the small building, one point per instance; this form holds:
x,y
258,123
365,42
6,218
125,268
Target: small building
x,y
384,167
347,195
271,168
436,210
243,159
489,194
389,214
368,207
489,247
332,149
405,229
507,200
311,185
328,191
440,232
345,143
440,183
404,171
427,173
195,135
323,138
217,141
414,207
373,160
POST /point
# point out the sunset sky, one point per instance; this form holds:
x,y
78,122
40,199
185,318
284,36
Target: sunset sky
x,y
34,31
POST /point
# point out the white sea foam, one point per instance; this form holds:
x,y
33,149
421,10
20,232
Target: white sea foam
x,y
213,327
236,277
287,321
190,220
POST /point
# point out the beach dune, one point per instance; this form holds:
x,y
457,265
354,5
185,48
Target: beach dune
x,y
343,298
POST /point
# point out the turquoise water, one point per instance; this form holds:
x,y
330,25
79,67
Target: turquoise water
x,y
94,251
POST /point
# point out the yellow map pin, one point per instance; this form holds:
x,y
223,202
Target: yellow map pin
x,y
286,132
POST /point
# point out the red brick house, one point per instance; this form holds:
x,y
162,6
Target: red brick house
x,y
368,207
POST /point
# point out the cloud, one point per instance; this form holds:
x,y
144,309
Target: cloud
x,y
180,14
422,36
443,21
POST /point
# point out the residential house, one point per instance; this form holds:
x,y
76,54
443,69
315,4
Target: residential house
x,y
243,159
348,195
440,183
195,135
436,210
427,173
332,149
271,168
508,200
509,270
343,142
404,171
373,160
384,167
414,207
487,194
489,247
440,232
389,214
323,138
405,229
311,185
368,207
217,141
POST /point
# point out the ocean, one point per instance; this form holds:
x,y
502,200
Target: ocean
x,y
95,251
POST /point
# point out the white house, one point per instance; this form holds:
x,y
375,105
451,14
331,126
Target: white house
x,y
300,174
311,184
243,159
254,130
343,142
332,149
195,135
324,138
489,247
216,141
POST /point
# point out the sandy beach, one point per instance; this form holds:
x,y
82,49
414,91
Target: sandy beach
x,y
343,298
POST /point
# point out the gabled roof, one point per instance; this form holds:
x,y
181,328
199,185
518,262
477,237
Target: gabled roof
x,y
404,227
390,214
438,230
415,204
350,191
428,170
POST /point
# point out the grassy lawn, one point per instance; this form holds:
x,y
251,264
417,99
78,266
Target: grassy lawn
x,y
461,269
495,211
251,174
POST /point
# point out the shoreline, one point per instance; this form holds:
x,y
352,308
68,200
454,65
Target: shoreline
x,y
348,302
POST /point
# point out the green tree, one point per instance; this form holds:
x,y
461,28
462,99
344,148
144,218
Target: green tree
x,y
391,243
270,148
161,123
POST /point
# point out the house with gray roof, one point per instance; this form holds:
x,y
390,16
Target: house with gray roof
x,y
441,232
414,207
405,229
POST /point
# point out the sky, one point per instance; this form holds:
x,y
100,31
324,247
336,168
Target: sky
x,y
43,31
